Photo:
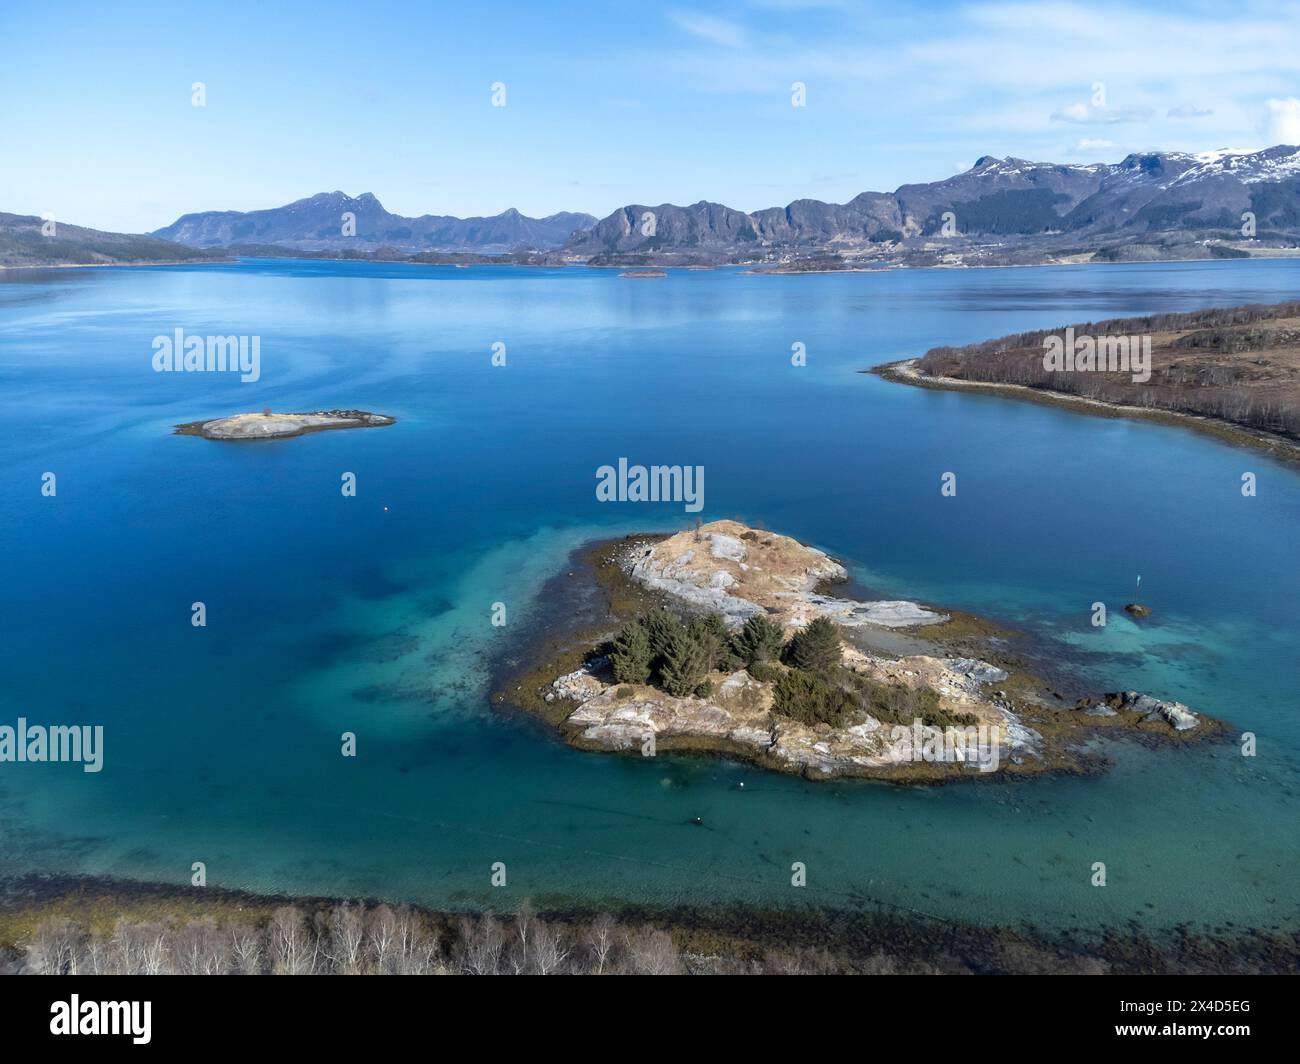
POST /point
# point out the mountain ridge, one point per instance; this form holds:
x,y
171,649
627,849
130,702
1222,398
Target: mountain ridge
x,y
29,241
319,222
1150,206
1032,205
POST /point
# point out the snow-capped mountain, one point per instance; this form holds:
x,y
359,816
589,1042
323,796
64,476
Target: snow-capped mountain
x,y
1005,199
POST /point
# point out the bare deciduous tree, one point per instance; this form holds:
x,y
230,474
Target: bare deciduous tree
x,y
347,938
525,922
56,947
98,958
601,940
481,946
550,951
199,949
382,933
292,952
246,949
417,946
651,952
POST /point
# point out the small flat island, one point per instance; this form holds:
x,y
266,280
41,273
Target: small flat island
x,y
271,426
732,643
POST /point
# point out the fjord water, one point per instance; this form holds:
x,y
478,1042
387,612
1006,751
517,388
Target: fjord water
x,y
371,614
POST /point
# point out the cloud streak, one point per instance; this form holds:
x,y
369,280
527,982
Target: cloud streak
x,y
709,28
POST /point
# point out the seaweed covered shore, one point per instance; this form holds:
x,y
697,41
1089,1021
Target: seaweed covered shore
x,y
109,926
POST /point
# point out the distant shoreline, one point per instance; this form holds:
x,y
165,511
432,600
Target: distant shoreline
x,y
115,265
756,269
905,372
890,267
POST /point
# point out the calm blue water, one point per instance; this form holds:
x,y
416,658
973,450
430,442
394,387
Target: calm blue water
x,y
371,614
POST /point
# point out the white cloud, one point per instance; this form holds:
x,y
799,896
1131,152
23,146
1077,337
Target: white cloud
x,y
711,29
993,77
1282,121
1087,114
1095,144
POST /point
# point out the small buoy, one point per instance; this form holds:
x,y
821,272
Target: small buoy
x,y
698,820
741,785
385,509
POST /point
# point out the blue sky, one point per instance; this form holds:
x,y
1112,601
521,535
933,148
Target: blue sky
x,y
606,103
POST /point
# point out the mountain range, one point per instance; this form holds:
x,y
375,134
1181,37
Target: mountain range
x,y
1158,205
318,223
999,206
998,210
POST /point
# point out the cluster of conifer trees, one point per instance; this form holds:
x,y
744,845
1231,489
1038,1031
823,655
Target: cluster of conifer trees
x,y
679,655
811,684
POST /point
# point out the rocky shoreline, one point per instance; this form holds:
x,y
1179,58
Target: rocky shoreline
x,y
962,671
737,939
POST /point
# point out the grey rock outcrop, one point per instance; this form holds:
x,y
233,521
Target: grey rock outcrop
x,y
1154,710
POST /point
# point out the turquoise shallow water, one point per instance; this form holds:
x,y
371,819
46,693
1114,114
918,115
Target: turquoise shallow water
x,y
329,614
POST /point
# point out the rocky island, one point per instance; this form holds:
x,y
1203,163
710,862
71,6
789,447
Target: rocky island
x,y
732,643
270,426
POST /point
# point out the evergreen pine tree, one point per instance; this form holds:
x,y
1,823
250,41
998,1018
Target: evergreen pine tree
x,y
631,657
710,631
685,665
816,648
661,628
758,640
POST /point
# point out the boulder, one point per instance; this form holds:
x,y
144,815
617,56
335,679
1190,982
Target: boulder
x,y
1154,710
